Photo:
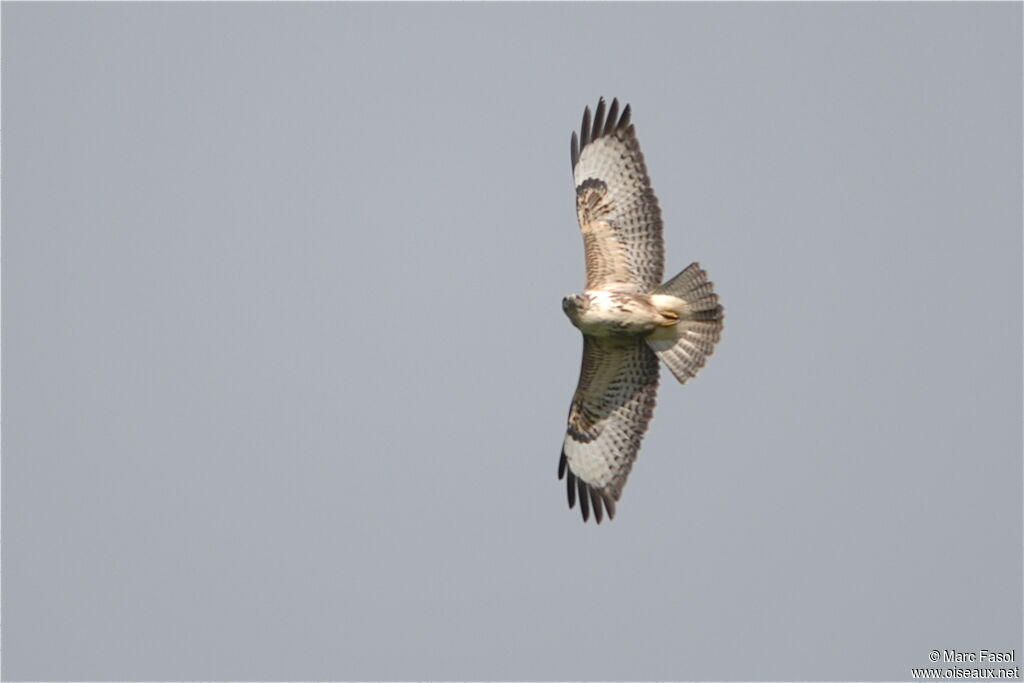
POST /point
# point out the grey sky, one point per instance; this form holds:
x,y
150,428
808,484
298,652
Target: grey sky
x,y
286,371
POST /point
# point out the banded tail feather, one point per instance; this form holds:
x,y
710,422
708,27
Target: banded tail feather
x,y
685,345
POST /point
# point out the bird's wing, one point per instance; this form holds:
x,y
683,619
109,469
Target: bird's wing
x,y
616,207
609,414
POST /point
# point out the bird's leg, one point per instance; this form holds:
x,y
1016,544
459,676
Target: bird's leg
x,y
670,318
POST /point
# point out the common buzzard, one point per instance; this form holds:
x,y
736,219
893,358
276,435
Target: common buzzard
x,y
628,318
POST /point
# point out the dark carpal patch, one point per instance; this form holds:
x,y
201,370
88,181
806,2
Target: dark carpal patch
x,y
591,184
579,436
593,202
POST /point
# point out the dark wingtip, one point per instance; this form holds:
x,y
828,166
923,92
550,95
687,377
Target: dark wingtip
x,y
609,504
598,129
584,500
600,125
590,497
626,114
595,498
613,113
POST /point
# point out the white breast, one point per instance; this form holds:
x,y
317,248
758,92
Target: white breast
x,y
614,313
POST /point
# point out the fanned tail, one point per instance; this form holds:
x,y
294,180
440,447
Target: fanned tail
x,y
693,322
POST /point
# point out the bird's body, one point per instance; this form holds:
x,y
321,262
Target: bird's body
x,y
628,318
612,314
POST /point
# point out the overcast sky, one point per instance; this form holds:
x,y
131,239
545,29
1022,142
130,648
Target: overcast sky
x,y
286,371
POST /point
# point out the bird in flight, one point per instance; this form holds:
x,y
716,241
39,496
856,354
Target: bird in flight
x,y
628,317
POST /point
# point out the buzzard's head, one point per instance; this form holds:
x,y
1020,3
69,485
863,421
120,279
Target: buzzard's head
x,y
573,305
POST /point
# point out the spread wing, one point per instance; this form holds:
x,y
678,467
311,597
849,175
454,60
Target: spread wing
x,y
616,207
609,414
